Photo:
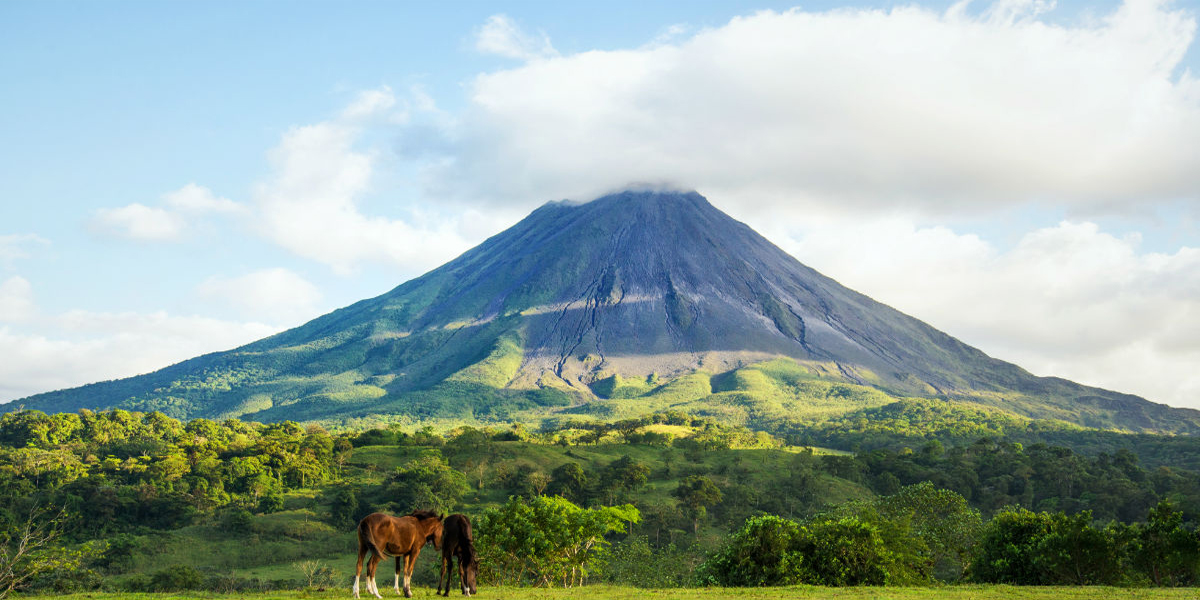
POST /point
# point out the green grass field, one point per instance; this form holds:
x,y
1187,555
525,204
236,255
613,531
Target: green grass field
x,y
603,592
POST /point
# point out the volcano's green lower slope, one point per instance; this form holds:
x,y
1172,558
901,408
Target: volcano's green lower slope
x,y
781,395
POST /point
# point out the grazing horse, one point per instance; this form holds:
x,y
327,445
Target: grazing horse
x,y
457,542
385,535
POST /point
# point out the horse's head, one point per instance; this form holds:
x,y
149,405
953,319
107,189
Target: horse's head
x,y
431,523
436,534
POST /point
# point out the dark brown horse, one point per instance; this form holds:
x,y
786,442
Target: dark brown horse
x,y
457,542
385,535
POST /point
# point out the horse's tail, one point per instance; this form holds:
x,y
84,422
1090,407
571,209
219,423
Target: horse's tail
x,y
365,540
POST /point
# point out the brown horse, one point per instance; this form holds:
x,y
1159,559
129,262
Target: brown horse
x,y
385,535
458,542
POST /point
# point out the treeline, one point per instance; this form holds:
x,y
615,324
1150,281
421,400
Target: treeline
x,y
992,474
912,422
942,513
922,534
118,471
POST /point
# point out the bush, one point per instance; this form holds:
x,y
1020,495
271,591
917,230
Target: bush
x,y
117,557
270,503
1027,548
176,578
546,540
237,521
427,483
634,562
765,551
771,550
846,551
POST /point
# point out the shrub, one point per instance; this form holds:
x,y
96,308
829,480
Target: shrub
x,y
1027,548
546,540
635,563
765,551
176,578
831,551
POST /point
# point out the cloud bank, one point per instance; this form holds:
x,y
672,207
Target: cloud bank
x,y
1069,300
80,347
940,111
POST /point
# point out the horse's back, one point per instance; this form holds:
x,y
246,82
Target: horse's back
x,y
456,534
457,525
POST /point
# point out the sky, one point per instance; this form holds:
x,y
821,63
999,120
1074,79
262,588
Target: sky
x,y
179,178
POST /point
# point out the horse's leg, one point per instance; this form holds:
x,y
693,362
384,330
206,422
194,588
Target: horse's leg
x,y
396,586
442,577
371,565
410,560
462,576
362,550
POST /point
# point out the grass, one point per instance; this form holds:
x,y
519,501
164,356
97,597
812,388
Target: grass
x,y
606,592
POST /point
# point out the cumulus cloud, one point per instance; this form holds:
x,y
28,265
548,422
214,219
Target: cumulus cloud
x,y
168,222
941,111
197,199
16,299
82,347
309,204
276,295
139,222
371,104
15,246
1069,300
500,35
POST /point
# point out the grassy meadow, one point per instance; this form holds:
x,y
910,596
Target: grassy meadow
x,y
606,592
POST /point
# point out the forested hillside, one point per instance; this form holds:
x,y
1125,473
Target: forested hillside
x,y
142,501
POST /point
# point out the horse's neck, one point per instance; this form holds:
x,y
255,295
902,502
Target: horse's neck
x,y
427,525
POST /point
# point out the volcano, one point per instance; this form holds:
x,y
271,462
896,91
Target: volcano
x,y
636,301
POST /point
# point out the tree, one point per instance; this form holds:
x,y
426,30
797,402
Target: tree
x,y
624,475
1008,548
941,519
696,493
30,548
1028,548
771,550
1075,553
344,507
1167,553
428,483
846,551
569,481
546,540
765,551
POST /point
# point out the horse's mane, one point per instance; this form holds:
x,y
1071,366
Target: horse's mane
x,y
423,514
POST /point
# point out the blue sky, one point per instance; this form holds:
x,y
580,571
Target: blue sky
x,y
181,177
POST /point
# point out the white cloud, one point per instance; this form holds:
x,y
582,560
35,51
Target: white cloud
x,y
850,108
13,247
197,199
90,346
276,295
370,104
500,35
16,299
1069,300
139,222
168,222
310,204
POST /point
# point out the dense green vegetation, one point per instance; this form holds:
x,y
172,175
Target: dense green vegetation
x,y
611,592
150,503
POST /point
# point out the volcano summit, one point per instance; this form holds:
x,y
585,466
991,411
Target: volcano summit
x,y
631,303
